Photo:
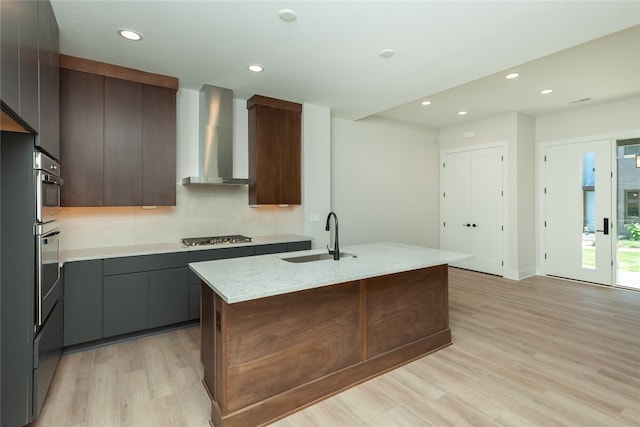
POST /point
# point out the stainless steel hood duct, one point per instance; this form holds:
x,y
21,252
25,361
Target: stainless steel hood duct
x,y
216,139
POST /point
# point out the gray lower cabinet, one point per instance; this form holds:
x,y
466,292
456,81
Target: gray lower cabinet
x,y
142,292
83,294
126,303
168,296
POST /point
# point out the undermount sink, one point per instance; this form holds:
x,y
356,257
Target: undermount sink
x,y
316,257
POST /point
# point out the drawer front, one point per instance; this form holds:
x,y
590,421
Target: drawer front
x,y
136,264
299,246
222,253
274,248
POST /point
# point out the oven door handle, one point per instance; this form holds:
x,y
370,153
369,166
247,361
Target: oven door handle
x,y
49,235
52,179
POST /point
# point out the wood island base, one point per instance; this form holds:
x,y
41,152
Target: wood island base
x,y
267,358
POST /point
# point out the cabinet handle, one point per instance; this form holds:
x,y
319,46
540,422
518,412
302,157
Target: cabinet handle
x,y
466,225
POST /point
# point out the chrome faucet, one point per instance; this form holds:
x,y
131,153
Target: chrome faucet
x,y
336,246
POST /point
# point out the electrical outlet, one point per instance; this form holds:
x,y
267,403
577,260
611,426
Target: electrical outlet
x,y
314,218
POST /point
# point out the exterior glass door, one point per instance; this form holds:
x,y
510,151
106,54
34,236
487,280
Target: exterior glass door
x,y
628,213
579,228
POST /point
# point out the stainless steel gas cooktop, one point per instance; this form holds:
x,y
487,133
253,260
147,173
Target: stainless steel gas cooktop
x,y
216,240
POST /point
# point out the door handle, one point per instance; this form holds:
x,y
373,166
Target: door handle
x,y
605,226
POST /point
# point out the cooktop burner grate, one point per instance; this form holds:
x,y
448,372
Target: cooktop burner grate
x,y
216,240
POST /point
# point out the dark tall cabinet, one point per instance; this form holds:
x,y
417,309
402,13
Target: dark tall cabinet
x,y
275,151
48,138
17,278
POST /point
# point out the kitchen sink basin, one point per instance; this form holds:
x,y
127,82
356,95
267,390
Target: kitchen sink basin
x,y
316,257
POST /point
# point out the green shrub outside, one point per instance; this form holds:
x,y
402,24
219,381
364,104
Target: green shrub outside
x,y
634,231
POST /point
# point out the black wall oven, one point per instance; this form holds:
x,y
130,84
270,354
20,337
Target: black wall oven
x,y
48,316
47,235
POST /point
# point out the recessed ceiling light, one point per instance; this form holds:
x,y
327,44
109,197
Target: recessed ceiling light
x,y
130,34
256,68
426,102
512,76
462,113
546,91
287,15
386,53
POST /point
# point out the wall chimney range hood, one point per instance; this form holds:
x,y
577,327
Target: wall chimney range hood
x,y
215,160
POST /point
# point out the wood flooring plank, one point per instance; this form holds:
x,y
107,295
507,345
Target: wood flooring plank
x,y
539,352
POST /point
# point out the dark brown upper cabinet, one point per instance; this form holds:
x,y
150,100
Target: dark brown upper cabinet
x,y
82,138
275,151
118,135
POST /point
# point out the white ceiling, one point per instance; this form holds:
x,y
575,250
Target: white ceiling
x,y
454,53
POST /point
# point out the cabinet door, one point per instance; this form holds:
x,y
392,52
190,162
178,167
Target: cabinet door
x,y
81,138
264,171
122,142
83,294
126,303
158,146
49,80
9,43
290,158
168,296
29,63
194,302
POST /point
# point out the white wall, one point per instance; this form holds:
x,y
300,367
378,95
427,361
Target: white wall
x,y
316,172
618,119
385,181
199,210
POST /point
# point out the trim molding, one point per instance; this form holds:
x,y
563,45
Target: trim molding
x,y
118,72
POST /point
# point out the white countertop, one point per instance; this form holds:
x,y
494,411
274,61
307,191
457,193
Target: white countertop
x,y
245,279
160,248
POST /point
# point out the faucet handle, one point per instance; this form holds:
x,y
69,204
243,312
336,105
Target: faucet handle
x,y
331,252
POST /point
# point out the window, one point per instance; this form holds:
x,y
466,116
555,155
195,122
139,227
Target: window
x,y
632,204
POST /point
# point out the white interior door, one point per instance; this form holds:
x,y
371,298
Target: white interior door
x,y
578,220
472,208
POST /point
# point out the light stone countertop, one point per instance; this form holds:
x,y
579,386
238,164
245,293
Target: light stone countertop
x,y
160,248
245,279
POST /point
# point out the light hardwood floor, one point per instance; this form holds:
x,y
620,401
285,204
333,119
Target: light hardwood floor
x,y
532,353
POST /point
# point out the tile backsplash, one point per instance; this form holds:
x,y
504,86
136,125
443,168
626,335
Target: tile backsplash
x,y
199,211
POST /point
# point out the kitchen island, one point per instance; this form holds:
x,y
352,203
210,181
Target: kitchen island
x,y
278,335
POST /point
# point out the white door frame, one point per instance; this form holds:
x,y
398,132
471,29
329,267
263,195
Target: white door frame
x,y
540,199
505,199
